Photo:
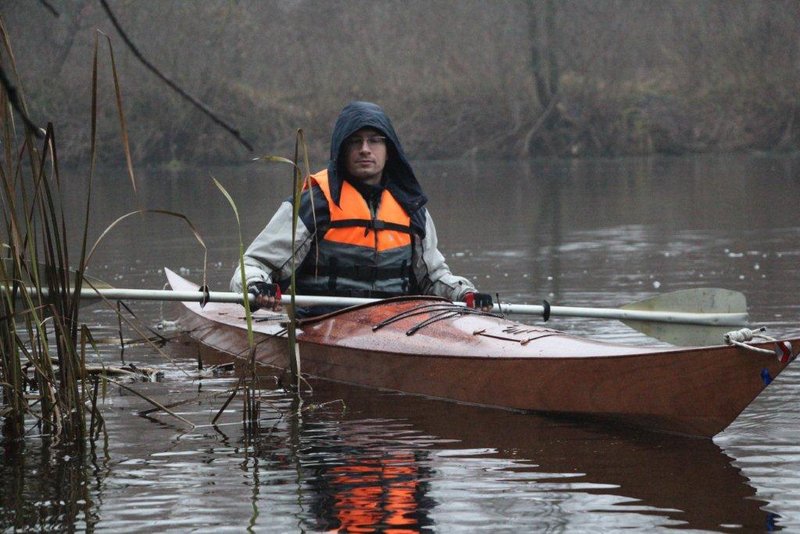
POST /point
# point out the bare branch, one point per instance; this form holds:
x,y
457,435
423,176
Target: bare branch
x,y
186,96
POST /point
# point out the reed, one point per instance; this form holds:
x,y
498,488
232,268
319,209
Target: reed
x,y
50,386
43,333
43,372
249,382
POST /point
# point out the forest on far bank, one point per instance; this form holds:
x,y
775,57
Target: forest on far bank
x,y
460,78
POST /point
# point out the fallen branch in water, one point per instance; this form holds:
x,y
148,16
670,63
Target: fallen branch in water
x,y
151,401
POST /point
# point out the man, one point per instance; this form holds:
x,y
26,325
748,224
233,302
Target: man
x,y
363,230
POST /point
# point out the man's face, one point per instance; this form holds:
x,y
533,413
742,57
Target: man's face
x,y
365,155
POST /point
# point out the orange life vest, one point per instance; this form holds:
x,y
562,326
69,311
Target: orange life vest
x,y
362,253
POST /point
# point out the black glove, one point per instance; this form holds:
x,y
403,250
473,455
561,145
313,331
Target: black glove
x,y
264,289
478,300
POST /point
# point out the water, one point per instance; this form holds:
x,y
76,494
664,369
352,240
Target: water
x,y
584,233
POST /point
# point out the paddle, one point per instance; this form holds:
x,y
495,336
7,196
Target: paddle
x,y
706,307
690,316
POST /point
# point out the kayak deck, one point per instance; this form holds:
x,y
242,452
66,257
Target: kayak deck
x,y
427,346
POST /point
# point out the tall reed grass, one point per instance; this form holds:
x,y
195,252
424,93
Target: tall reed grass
x,y
249,382
42,368
41,331
43,372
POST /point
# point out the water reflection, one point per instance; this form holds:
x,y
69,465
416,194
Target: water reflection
x,y
351,458
390,462
361,493
49,488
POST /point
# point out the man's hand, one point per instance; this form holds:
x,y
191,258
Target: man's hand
x,y
267,295
479,300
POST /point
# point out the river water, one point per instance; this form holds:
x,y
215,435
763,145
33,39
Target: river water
x,y
583,233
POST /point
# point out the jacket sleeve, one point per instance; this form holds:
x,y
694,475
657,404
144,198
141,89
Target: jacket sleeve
x,y
268,258
432,273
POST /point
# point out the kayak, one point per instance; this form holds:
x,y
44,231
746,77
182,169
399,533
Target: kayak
x,y
428,346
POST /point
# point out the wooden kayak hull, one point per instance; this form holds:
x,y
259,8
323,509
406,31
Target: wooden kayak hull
x,y
426,348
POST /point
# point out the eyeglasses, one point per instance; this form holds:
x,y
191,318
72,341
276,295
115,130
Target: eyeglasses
x,y
357,142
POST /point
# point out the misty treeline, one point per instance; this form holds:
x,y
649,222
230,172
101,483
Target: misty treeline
x,y
462,78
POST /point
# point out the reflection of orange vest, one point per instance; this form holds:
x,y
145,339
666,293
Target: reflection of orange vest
x,y
362,253
377,494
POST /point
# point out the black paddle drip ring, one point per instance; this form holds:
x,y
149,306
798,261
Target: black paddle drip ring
x,y
546,312
206,296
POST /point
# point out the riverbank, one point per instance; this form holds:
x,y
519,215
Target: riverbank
x,y
523,79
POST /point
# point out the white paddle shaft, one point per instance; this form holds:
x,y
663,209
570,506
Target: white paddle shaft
x,y
709,319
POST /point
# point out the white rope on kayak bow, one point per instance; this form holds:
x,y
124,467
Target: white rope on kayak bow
x,y
740,338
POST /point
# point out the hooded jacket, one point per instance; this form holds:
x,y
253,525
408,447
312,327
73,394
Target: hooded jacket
x,y
268,258
399,177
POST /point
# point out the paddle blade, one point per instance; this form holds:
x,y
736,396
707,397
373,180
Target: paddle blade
x,y
704,300
682,335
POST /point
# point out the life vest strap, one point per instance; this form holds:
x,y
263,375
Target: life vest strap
x,y
366,273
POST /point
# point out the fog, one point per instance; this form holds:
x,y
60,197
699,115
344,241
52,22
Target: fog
x,y
466,78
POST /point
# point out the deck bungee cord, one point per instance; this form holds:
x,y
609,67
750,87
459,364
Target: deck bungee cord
x,y
444,310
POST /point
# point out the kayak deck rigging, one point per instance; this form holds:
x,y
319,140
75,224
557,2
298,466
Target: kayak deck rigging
x,y
438,311
521,335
